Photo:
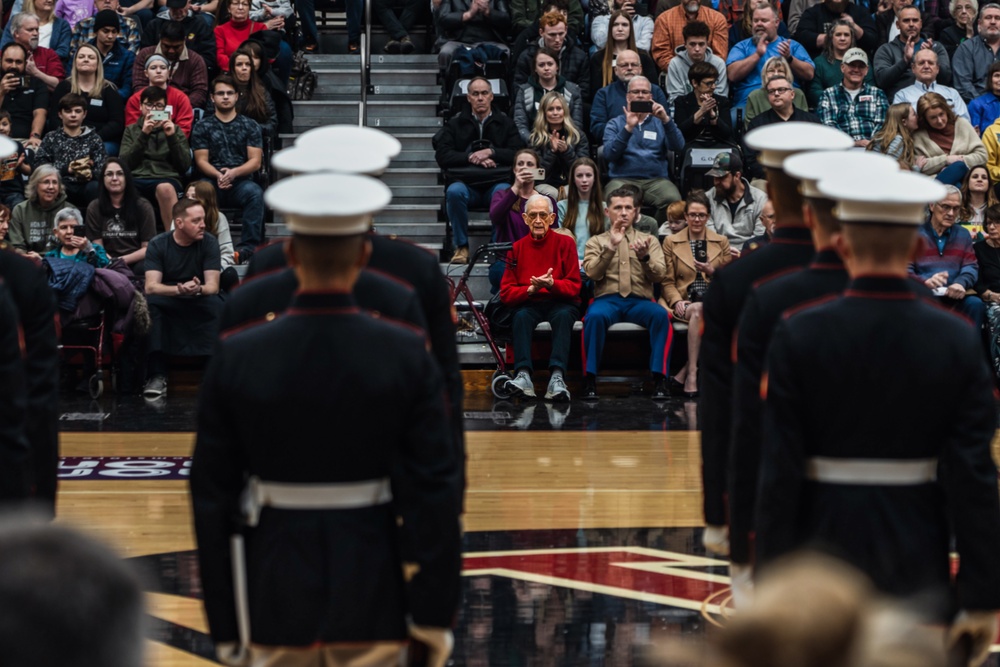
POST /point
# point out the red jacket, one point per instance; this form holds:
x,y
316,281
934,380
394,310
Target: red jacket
x,y
530,258
228,38
48,62
183,116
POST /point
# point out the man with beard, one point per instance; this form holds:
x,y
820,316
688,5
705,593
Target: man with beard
x,y
746,61
27,104
925,70
668,34
811,31
43,64
735,204
893,68
973,57
610,99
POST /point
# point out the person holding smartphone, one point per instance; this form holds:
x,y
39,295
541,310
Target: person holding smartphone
x,y
71,238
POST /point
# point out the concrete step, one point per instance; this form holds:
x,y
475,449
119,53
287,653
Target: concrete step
x,y
409,140
382,108
389,123
380,77
427,176
336,43
353,94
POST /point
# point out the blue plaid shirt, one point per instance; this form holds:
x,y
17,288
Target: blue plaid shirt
x,y
859,117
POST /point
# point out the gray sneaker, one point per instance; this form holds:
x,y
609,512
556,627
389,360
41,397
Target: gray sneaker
x,y
557,390
155,387
521,385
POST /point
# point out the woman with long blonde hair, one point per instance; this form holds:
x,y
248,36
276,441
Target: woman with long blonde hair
x,y
621,37
557,141
106,111
895,137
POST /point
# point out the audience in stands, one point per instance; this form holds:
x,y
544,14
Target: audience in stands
x,y
76,150
254,100
32,221
129,32
984,109
542,284
895,137
216,223
470,24
200,37
105,107
398,27
812,26
636,147
227,151
947,146
780,94
545,79
530,34
573,62
609,100
476,149
702,115
582,212
188,72
624,264
767,218
120,220
27,104
734,204
925,69
158,75
71,241
239,27
668,35
4,226
526,13
853,106
759,101
675,220
839,40
977,196
894,64
558,140
44,64
116,60
14,169
963,26
988,281
974,57
182,290
642,26
602,62
946,262
743,28
694,51
51,32
157,153
692,256
746,60
278,92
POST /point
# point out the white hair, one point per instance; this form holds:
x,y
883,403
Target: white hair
x,y
68,214
536,197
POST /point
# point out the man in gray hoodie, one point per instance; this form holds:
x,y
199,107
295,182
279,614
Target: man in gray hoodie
x,y
695,50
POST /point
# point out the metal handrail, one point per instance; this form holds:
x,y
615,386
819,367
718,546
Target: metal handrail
x,y
366,64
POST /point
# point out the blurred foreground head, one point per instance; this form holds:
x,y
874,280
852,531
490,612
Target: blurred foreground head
x,y
65,600
814,611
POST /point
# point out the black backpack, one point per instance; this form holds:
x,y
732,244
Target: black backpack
x,y
301,80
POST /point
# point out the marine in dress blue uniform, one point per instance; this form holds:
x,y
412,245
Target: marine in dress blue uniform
x,y
904,466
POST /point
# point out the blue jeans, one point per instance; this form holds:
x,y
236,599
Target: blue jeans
x,y
953,174
112,148
458,198
307,14
355,8
283,63
611,309
247,196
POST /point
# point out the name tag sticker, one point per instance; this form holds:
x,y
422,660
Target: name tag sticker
x,y
649,135
96,102
865,98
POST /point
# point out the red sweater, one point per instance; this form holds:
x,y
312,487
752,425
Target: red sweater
x,y
534,258
228,38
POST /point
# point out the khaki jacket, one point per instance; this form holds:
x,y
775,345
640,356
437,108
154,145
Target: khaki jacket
x,y
680,262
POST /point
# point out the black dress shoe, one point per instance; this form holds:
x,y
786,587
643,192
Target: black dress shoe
x,y
589,390
674,384
660,392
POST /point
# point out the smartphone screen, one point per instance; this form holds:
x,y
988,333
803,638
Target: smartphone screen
x,y
641,106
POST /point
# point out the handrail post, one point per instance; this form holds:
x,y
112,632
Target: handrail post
x,y
366,64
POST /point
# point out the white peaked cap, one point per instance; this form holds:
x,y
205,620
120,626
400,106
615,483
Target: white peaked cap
x,y
779,141
815,165
314,158
351,140
897,198
7,146
328,204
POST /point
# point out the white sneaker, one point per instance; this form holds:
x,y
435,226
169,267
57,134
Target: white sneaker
x,y
557,390
521,385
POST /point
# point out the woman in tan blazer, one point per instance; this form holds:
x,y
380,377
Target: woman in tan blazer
x,y
692,257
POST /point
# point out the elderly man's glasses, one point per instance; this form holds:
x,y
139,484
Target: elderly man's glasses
x,y
537,215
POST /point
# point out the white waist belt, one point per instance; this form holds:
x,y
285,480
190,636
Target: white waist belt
x,y
290,496
872,472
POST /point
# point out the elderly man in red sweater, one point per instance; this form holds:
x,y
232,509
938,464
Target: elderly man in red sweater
x,y
542,284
